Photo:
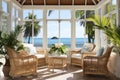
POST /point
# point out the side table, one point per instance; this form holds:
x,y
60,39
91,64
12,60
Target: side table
x,y
57,62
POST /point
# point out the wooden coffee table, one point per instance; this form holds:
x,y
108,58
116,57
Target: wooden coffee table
x,y
57,62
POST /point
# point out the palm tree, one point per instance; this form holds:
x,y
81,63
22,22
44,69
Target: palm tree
x,y
28,27
90,31
89,28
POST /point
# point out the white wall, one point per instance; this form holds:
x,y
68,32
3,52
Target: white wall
x,y
114,64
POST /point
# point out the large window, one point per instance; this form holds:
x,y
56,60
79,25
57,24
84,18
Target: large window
x,y
80,33
83,28
4,23
111,10
33,23
113,4
108,8
4,6
15,16
4,16
59,27
80,27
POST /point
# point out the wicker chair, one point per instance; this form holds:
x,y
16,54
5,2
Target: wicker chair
x,y
41,55
76,56
97,64
21,64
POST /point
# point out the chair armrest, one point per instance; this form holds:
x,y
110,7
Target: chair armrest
x,y
75,51
30,59
91,57
41,51
84,54
26,60
94,60
90,60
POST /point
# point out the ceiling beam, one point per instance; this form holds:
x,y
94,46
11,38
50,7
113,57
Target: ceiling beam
x,y
87,7
73,1
32,2
44,2
23,2
94,2
17,3
101,3
58,2
85,2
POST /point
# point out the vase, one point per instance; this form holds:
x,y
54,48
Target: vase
x,y
6,68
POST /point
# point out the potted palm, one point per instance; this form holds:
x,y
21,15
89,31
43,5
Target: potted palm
x,y
112,31
9,40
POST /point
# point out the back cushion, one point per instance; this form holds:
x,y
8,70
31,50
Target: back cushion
x,y
30,49
87,47
100,51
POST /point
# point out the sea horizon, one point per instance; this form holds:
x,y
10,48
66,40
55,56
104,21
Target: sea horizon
x,y
65,41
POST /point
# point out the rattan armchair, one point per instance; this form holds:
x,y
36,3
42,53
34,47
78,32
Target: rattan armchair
x,y
97,64
21,65
41,55
77,55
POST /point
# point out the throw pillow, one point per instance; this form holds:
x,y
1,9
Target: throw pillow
x,y
30,49
100,51
85,48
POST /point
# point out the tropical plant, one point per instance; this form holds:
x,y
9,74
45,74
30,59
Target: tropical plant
x,y
10,40
28,27
58,48
112,32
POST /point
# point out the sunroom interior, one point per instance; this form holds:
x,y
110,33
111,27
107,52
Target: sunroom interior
x,y
59,21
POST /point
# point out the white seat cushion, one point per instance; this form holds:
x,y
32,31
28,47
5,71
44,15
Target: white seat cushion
x,y
76,56
39,55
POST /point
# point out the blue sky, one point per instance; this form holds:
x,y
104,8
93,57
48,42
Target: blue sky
x,y
53,26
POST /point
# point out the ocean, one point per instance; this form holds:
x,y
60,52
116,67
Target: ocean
x,y
65,41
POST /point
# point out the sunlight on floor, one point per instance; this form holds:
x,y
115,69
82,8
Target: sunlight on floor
x,y
58,74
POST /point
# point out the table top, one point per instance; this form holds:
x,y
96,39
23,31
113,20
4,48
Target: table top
x,y
60,56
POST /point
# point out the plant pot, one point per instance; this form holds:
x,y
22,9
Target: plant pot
x,y
6,68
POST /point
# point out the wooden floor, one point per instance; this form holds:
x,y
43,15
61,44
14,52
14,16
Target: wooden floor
x,y
70,73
